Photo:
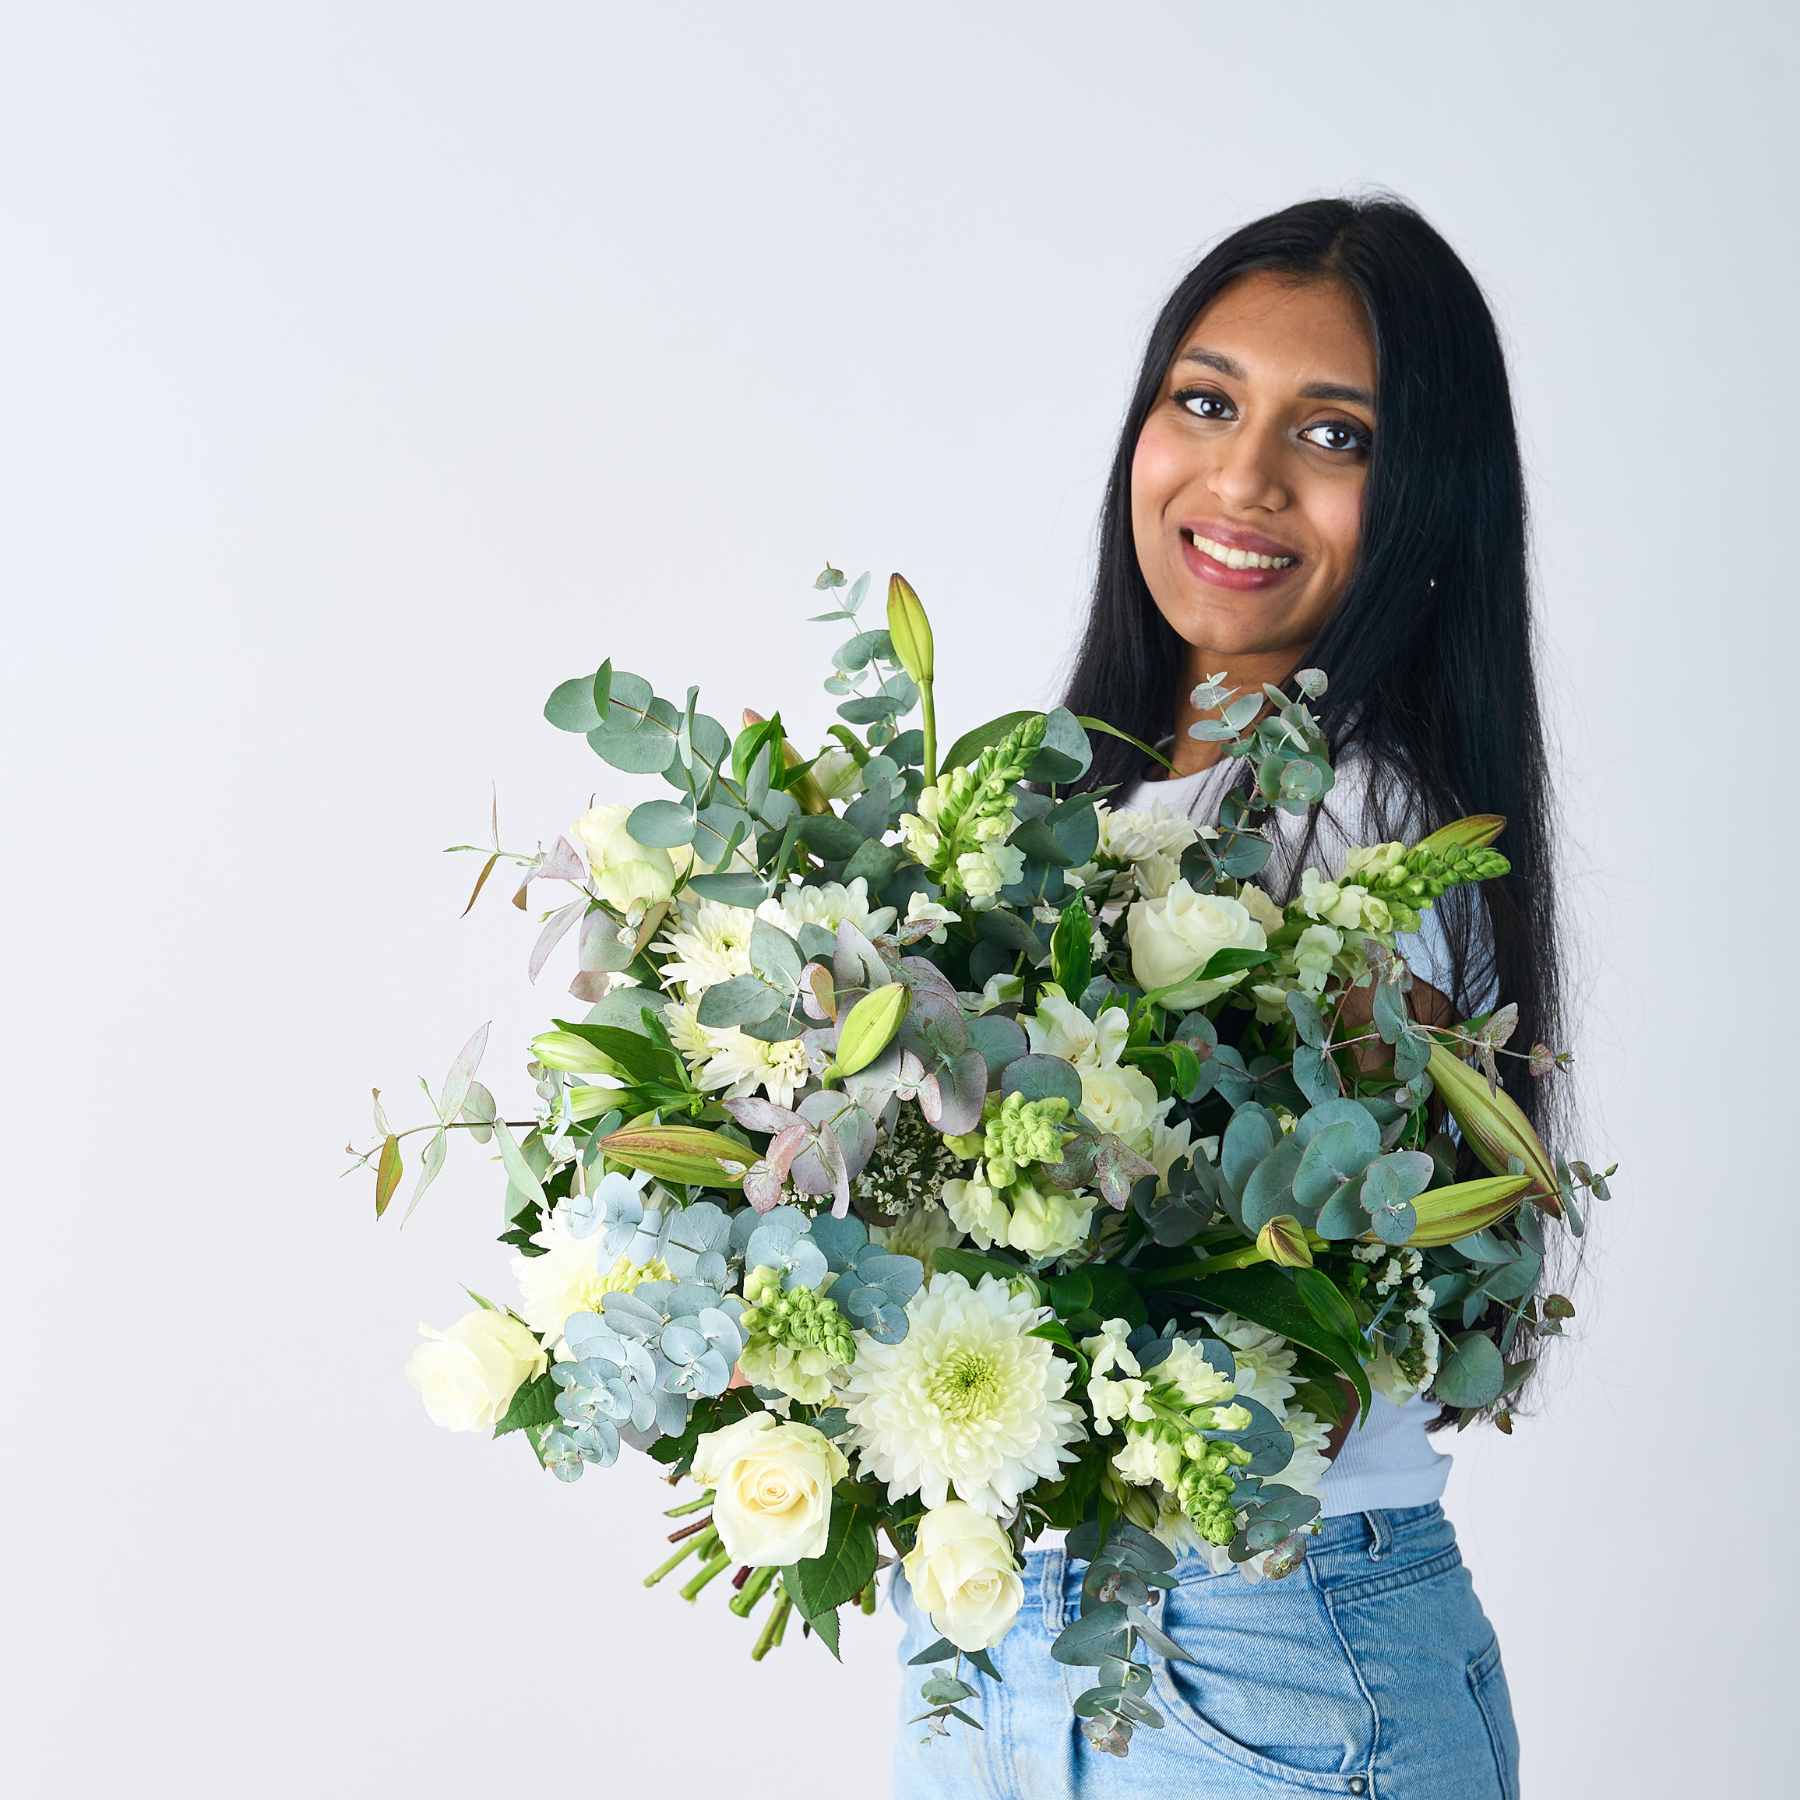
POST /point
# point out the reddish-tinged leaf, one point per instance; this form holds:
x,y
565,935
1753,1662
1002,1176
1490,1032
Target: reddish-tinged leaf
x,y
554,927
487,868
387,1173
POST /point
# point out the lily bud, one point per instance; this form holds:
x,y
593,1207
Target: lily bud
x,y
870,1028
910,630
572,1054
1446,1214
808,795
684,1153
1493,1126
1283,1242
1475,832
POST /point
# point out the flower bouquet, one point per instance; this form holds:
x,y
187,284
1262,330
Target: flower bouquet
x,y
932,1156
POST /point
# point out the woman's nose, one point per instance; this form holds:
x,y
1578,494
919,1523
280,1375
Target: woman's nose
x,y
1247,472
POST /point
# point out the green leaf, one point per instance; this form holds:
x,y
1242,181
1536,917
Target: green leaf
x,y
519,1173
1471,1374
571,705
1125,737
1268,1297
661,824
387,1173
533,1404
971,744
1072,950
825,1629
843,1569
1088,1641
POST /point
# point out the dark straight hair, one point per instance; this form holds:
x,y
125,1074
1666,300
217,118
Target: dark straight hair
x,y
1429,653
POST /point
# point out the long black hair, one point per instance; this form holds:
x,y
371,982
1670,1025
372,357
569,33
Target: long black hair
x,y
1429,653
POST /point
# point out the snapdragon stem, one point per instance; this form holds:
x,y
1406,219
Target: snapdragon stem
x,y
743,1602
716,1566
689,1506
773,1627
707,1541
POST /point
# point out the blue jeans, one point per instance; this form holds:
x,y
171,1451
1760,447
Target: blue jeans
x,y
1371,1671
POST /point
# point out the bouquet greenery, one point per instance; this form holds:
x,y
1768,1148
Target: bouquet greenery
x,y
936,1155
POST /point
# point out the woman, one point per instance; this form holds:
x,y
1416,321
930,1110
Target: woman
x,y
1325,396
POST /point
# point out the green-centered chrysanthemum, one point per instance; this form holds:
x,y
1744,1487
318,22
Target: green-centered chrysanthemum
x,y
968,1399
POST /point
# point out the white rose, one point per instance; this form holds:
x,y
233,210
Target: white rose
x,y
626,873
468,1375
1173,937
1123,1101
771,1487
962,1572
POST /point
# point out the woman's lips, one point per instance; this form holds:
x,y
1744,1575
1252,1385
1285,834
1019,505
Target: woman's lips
x,y
1220,575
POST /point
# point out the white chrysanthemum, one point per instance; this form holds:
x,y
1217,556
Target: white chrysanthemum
x,y
1060,1028
568,1278
920,1235
723,1058
966,1400
828,904
1265,1361
710,944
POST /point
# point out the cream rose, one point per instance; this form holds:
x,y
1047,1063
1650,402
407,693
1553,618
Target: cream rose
x,y
626,873
1124,1101
771,1487
468,1375
961,1570
1173,937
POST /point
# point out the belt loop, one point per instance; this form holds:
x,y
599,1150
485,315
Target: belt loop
x,y
1050,1589
1380,1536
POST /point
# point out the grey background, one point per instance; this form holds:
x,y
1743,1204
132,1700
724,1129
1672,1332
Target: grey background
x,y
369,368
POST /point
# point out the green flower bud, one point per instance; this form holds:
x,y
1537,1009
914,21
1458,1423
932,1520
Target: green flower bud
x,y
685,1153
870,1028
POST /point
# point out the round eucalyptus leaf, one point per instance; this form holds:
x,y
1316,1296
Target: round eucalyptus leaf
x,y
1471,1373
661,824
571,705
643,746
1042,1078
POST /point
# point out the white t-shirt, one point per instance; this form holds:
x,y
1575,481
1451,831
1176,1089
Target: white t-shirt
x,y
1388,1460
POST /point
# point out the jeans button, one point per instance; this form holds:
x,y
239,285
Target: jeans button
x,y
1357,1784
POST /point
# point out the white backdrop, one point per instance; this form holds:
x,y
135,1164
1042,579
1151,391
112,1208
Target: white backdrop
x,y
371,367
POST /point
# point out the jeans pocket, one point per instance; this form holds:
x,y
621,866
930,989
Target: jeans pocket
x,y
1270,1688
1487,1681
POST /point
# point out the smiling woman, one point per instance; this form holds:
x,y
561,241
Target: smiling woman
x,y
1319,469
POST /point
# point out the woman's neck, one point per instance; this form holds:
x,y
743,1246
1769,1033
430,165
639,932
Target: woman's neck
x,y
1245,671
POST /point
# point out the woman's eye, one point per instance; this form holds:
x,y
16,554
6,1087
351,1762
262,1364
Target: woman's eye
x,y
1350,437
1190,398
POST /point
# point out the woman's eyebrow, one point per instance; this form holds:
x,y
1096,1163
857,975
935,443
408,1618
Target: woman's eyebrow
x,y
1314,390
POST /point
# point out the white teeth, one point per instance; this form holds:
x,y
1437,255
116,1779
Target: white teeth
x,y
1238,559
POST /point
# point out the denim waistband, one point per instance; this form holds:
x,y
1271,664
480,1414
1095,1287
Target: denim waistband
x,y
1372,1532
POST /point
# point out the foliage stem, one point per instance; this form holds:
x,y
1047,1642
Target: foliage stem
x,y
773,1627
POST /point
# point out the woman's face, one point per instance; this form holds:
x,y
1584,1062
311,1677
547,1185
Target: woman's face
x,y
1258,441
